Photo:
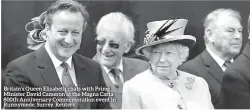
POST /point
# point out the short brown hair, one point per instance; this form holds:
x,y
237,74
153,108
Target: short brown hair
x,y
70,5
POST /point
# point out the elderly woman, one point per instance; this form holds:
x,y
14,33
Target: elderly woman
x,y
162,85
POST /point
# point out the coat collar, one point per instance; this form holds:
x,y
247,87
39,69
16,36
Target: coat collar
x,y
46,67
127,68
127,74
80,70
212,66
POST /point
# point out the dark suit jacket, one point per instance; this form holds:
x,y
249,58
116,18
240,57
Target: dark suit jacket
x,y
131,67
206,67
36,69
235,93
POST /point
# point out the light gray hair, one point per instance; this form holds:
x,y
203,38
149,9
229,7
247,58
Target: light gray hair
x,y
213,16
120,21
182,50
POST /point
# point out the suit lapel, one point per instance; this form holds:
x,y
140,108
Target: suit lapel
x,y
81,76
246,50
212,66
46,68
107,79
127,70
105,75
80,71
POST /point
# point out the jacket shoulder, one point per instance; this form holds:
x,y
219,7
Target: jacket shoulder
x,y
23,61
136,62
87,61
240,65
133,60
195,61
193,66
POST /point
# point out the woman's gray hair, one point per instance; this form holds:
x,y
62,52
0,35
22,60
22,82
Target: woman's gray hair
x,y
120,21
213,16
182,50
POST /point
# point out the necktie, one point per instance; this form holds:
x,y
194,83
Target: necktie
x,y
227,63
117,80
68,82
66,78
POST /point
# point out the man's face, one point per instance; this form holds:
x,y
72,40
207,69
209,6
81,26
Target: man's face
x,y
108,54
227,35
65,33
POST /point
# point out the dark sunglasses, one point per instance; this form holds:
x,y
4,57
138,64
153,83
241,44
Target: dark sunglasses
x,y
111,44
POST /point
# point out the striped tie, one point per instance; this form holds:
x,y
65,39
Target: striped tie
x,y
66,78
68,82
117,80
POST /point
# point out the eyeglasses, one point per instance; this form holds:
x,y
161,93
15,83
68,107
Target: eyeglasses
x,y
111,44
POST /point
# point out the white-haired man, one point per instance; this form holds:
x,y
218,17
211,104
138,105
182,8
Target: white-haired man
x,y
235,92
115,36
223,40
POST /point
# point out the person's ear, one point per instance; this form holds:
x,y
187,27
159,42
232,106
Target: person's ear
x,y
184,53
47,27
183,56
209,35
147,52
128,46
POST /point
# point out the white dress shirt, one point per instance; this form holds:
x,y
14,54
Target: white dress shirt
x,y
107,70
59,69
219,60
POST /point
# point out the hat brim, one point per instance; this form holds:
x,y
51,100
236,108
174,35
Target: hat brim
x,y
186,40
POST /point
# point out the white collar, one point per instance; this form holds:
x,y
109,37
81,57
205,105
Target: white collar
x,y
56,62
120,66
219,60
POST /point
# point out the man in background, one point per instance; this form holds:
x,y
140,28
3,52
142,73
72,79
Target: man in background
x,y
223,40
115,36
235,92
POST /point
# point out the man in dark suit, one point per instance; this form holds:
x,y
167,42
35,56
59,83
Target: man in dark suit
x,y
223,40
235,92
115,36
56,64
